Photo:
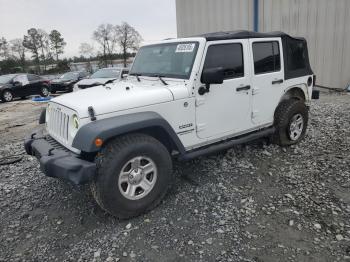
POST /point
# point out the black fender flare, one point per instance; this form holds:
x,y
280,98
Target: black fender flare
x,y
108,128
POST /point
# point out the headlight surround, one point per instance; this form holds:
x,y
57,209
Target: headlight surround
x,y
75,121
74,125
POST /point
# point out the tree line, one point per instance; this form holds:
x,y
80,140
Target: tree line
x,y
112,41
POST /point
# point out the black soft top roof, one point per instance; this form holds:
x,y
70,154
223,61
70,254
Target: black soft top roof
x,y
243,34
295,53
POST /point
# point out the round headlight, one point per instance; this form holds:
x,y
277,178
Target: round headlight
x,y
75,121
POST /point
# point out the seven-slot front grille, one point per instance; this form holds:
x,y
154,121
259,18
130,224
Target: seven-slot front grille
x,y
57,124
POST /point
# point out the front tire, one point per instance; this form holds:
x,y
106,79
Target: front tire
x,y
291,119
134,173
7,96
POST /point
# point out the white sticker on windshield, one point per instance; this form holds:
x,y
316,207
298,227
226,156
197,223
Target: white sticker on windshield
x,y
182,48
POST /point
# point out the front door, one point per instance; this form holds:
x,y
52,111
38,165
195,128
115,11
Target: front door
x,y
226,108
267,78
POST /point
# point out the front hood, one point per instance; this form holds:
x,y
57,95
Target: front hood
x,y
91,81
115,97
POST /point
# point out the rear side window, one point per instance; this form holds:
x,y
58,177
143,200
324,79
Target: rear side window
x,y
33,78
266,57
228,56
296,53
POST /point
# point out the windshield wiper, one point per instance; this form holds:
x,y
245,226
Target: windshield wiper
x,y
161,79
137,76
109,81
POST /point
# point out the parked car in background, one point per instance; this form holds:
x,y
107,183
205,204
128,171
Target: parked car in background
x,y
22,85
101,77
66,81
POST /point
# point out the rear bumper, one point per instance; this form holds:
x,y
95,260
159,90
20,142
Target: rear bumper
x,y
58,162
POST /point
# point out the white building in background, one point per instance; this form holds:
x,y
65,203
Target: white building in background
x,y
324,23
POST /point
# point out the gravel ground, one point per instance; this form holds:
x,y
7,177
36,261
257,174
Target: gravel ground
x,y
257,202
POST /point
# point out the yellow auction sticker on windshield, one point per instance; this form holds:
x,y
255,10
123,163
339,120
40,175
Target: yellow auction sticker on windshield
x,y
183,48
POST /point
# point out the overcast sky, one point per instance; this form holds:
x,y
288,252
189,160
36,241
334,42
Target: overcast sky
x,y
77,19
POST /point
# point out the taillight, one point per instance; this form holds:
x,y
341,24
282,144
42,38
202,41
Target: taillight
x,y
314,80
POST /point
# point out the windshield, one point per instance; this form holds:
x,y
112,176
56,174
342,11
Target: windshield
x,y
106,73
174,60
70,75
6,79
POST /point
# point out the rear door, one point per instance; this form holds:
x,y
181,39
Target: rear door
x,y
267,78
35,84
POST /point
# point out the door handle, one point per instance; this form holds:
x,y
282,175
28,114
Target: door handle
x,y
279,81
242,88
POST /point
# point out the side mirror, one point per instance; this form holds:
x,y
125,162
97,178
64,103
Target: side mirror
x,y
213,76
17,83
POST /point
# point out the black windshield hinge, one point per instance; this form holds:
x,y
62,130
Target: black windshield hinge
x,y
91,113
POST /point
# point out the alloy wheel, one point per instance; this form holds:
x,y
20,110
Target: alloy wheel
x,y
8,96
296,127
137,178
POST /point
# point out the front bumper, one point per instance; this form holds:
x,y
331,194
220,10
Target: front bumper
x,y
56,161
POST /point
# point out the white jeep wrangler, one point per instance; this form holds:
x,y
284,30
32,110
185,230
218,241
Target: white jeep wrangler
x,y
183,98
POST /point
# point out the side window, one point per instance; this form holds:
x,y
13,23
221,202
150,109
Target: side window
x,y
228,56
82,74
22,79
33,78
296,55
266,57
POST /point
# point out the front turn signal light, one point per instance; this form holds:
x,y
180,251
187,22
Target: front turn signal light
x,y
98,142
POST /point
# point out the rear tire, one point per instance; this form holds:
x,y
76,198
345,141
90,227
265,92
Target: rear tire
x,y
134,173
291,119
44,92
7,96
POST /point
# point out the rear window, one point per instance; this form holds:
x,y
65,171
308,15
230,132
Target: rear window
x,y
228,56
266,57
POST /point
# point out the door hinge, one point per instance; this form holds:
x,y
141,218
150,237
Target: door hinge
x,y
200,101
255,90
200,127
255,114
